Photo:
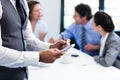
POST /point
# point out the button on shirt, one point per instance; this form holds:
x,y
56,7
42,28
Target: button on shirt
x,y
13,58
75,31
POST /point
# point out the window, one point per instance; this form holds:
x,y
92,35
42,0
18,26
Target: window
x,y
109,6
69,9
113,9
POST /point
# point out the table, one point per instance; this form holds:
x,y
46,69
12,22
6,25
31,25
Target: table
x,y
80,68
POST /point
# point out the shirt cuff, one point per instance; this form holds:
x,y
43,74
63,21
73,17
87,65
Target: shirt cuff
x,y
46,45
97,59
31,58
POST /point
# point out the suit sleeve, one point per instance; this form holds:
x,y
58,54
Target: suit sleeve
x,y
111,54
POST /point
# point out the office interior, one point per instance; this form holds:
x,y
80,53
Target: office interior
x,y
58,15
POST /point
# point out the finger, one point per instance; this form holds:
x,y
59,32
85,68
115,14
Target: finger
x,y
56,50
62,42
67,40
63,46
57,55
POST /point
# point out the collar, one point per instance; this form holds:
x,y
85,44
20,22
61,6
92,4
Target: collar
x,y
105,37
88,25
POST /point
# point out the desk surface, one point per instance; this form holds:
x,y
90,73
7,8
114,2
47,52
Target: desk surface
x,y
82,67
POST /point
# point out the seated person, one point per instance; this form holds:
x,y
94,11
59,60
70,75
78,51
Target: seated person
x,y
39,27
110,42
82,17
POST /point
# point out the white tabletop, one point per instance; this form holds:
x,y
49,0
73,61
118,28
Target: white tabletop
x,y
70,68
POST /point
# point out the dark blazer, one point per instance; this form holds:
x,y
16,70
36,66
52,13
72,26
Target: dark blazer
x,y
111,52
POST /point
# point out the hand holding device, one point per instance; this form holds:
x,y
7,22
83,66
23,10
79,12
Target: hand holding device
x,y
63,37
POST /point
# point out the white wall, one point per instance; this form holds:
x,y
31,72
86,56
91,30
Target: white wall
x,y
51,14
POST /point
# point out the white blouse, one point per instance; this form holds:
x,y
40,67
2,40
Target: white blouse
x,y
102,43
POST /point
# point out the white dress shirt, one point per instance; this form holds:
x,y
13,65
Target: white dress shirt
x,y
13,58
102,43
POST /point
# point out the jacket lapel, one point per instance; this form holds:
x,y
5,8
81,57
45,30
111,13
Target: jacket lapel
x,y
106,43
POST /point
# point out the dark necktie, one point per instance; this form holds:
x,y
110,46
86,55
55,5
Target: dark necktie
x,y
21,11
83,40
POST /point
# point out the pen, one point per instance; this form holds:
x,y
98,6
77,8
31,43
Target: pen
x,y
63,37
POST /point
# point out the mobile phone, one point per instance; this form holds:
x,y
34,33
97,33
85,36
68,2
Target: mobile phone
x,y
74,55
68,47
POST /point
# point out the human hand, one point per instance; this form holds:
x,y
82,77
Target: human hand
x,y
88,47
91,47
60,44
42,35
52,40
50,55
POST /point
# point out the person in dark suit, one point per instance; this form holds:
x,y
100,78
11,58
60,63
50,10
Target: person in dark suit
x,y
110,42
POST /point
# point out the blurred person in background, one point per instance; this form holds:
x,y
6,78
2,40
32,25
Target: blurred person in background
x,y
39,26
88,40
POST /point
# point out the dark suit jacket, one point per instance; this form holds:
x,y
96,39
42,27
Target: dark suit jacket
x,y
111,52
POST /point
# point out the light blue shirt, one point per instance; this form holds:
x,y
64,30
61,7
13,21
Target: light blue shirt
x,y
92,37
